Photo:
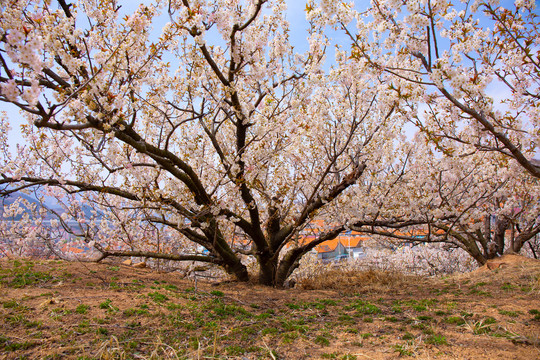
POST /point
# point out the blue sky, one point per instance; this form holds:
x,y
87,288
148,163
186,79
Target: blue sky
x,y
295,15
298,34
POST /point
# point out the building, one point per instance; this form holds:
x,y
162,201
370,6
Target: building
x,y
346,246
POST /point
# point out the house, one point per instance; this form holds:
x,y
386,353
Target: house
x,y
348,245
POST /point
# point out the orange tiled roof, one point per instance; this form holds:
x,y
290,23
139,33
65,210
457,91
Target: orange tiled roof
x,y
346,241
72,249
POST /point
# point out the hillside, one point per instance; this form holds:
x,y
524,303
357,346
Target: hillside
x,y
54,309
48,202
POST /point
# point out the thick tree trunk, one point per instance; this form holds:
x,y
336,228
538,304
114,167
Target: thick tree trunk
x,y
233,265
267,270
524,237
501,225
478,256
239,271
512,236
471,247
221,249
287,265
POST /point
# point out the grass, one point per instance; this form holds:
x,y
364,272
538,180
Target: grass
x,y
408,348
217,293
364,307
322,340
82,309
175,320
510,313
24,279
536,314
481,326
457,320
352,280
158,297
436,339
107,305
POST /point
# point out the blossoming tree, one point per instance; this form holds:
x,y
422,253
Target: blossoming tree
x,y
214,132
480,203
467,75
469,70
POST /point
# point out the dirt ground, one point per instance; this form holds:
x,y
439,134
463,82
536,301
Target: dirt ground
x,y
61,310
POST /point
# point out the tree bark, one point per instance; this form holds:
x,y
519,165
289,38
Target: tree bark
x,y
267,270
501,225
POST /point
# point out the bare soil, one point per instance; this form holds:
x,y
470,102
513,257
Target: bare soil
x,y
62,310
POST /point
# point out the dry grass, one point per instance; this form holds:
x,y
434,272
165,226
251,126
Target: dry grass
x,y
359,280
59,310
508,269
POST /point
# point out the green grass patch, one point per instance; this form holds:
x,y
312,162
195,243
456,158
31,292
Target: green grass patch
x,y
536,314
133,312
102,331
509,287
235,350
457,320
7,345
292,306
158,297
289,337
107,305
221,311
23,279
269,331
436,339
364,307
82,309
404,349
480,293
510,313
217,293
407,336
321,340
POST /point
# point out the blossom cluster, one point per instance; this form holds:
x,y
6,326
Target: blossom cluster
x,y
216,133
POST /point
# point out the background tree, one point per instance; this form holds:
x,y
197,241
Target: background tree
x,y
469,71
233,144
468,76
474,202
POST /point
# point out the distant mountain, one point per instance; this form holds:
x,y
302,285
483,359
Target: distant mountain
x,y
49,202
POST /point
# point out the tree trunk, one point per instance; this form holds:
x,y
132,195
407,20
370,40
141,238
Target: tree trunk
x,y
524,237
478,256
221,248
501,225
232,263
267,270
532,250
512,237
239,271
471,247
487,228
287,265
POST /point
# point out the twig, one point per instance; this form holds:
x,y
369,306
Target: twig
x,y
269,351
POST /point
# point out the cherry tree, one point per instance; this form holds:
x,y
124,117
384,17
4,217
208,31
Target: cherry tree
x,y
474,202
213,134
469,71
